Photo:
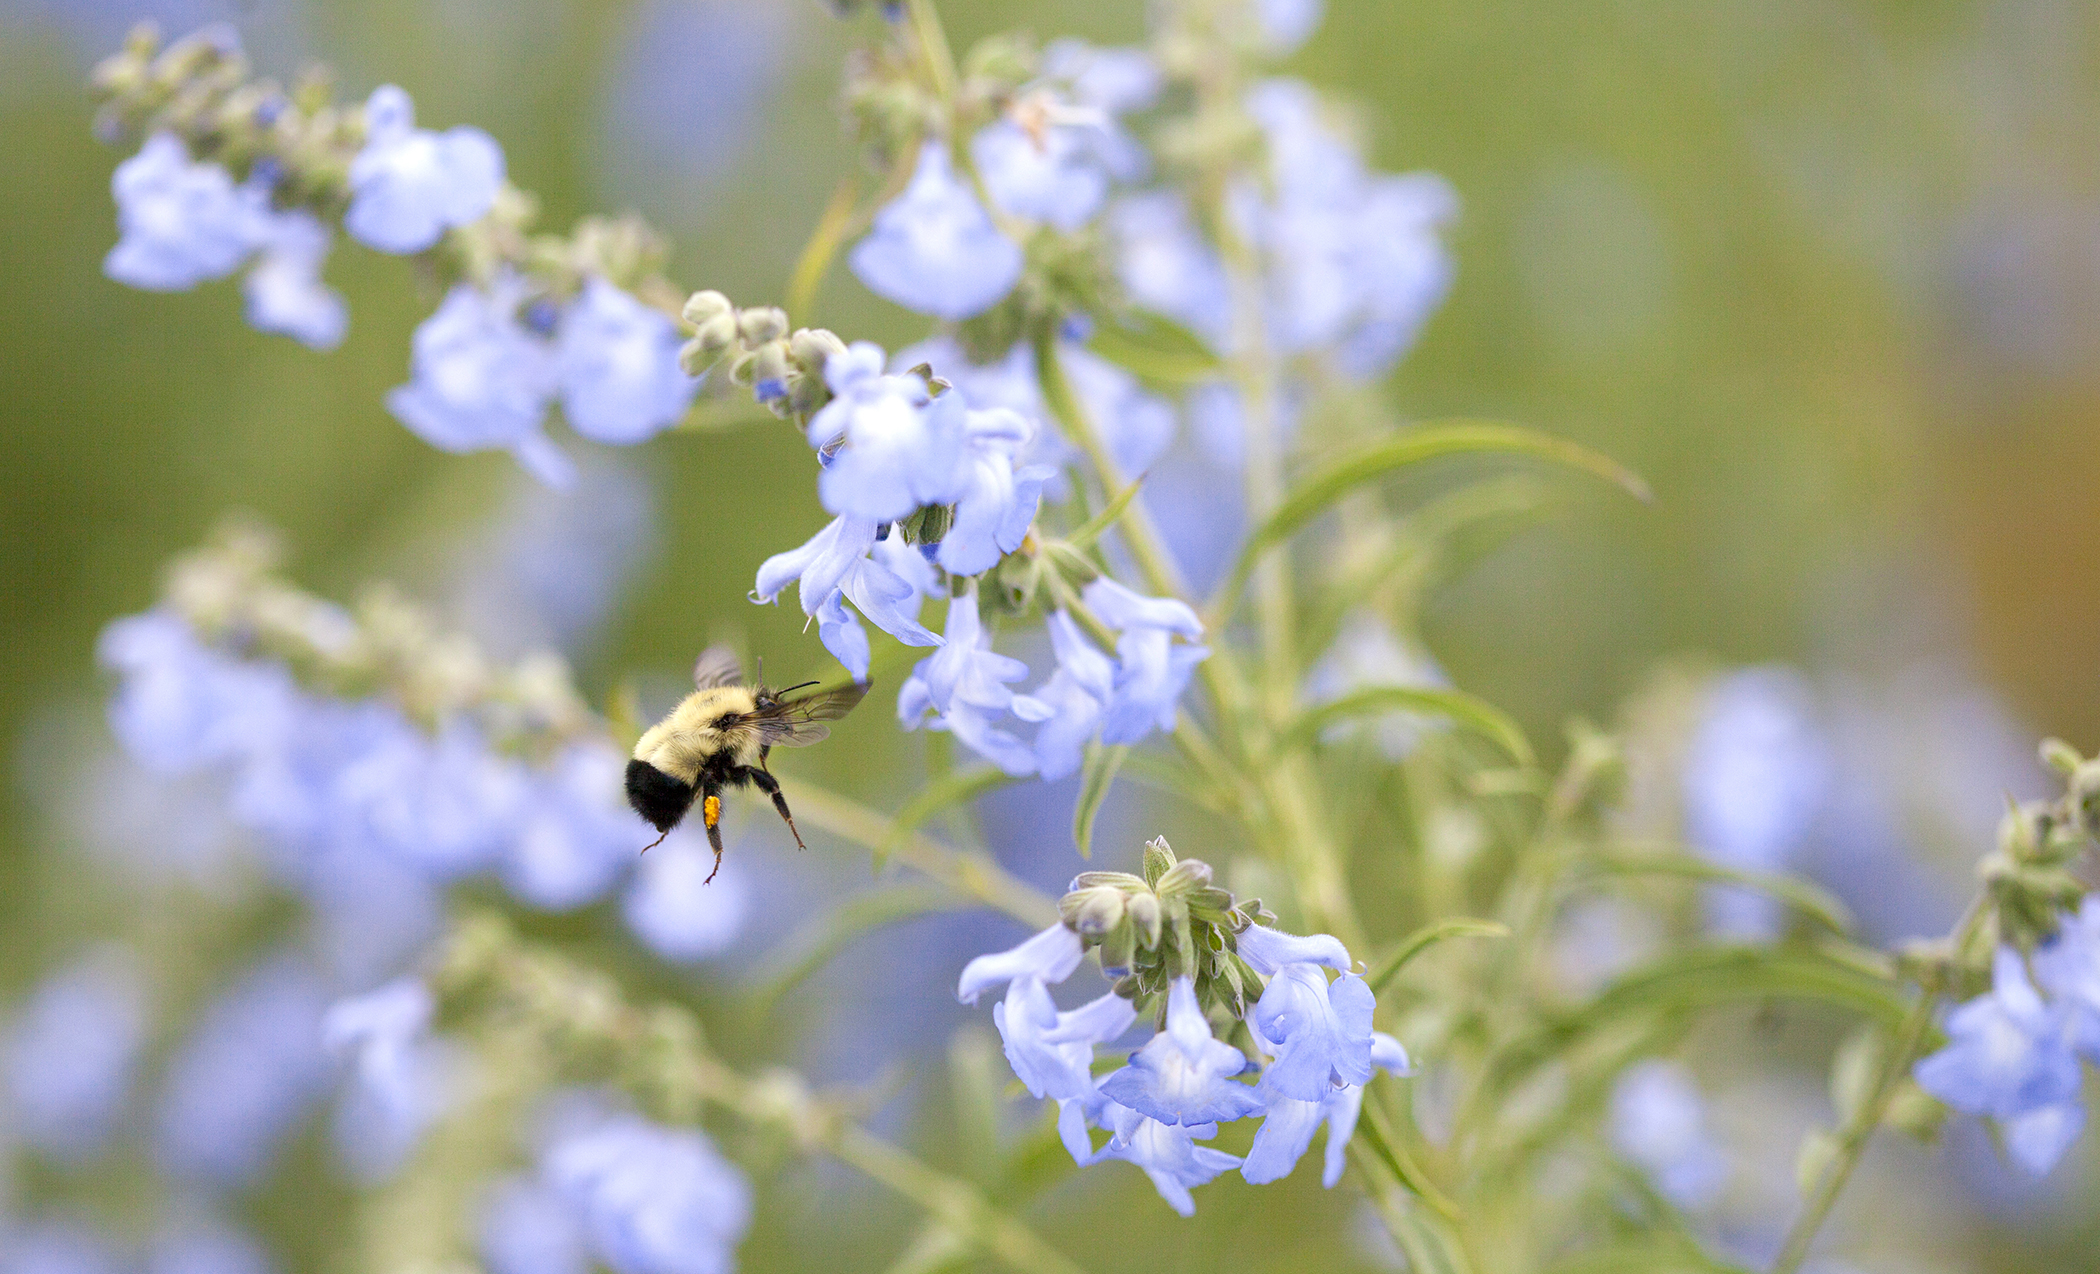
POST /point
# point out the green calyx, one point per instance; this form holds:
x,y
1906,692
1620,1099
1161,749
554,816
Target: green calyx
x,y
1170,922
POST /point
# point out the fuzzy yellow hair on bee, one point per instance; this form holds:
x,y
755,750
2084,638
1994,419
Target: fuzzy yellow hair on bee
x,y
718,737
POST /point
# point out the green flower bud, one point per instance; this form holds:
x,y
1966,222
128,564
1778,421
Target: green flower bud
x,y
1119,949
1184,878
701,308
1159,856
1145,913
762,323
812,347
1092,912
1119,879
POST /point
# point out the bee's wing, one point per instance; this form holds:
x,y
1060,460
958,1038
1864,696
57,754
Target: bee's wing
x,y
717,666
795,724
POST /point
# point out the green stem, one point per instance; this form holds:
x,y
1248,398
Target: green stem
x,y
932,43
1859,1129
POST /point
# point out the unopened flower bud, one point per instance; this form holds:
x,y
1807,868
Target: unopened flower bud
x,y
1092,912
1119,949
703,307
1184,877
1146,918
769,371
761,323
812,347
1159,856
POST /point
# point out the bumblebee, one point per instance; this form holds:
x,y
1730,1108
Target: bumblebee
x,y
718,738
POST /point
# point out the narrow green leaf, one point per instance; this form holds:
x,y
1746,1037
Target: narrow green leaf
x,y
1426,937
1454,705
1804,896
957,787
1156,348
1096,774
1085,536
1313,496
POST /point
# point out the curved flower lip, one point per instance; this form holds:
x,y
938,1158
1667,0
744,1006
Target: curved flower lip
x,y
1120,609
1183,1075
1320,1033
1051,955
1266,950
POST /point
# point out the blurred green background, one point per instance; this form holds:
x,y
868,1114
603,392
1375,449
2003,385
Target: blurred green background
x,y
1827,272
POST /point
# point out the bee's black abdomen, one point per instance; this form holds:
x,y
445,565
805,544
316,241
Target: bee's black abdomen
x,y
657,796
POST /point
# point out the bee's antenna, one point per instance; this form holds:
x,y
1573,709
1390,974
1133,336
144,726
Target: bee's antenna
x,y
658,841
792,689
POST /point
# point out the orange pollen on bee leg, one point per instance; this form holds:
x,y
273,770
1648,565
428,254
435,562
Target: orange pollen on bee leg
x,y
711,810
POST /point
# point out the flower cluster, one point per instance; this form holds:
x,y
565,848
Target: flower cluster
x,y
233,173
1185,954
378,758
2013,1053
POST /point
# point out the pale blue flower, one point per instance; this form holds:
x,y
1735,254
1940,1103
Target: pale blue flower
x,y
1136,426
1288,1125
819,566
995,503
674,911
1405,266
578,834
401,1079
654,1200
1267,950
964,687
1050,955
181,223
901,449
1367,655
1286,24
482,381
182,705
448,805
409,185
2009,1055
1184,1075
1052,1052
1168,1153
1165,263
528,1227
618,366
933,249
249,1072
1658,1121
57,1247
1047,174
69,1056
2068,968
206,1245
1755,775
1320,1034
1077,696
284,289
1110,82
835,566
1152,670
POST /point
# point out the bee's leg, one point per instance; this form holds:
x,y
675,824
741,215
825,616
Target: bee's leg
x,y
711,818
763,779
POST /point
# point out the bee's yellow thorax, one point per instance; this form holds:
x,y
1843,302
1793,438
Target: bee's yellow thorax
x,y
681,743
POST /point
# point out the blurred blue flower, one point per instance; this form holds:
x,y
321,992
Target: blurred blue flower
x,y
1110,83
284,289
674,911
482,381
1168,1154
245,1077
1046,173
1165,263
1152,670
400,1078
181,223
409,185
1050,956
618,364
577,835
1755,775
653,1200
2068,968
69,1056
206,1245
447,805
58,1246
963,686
1658,1121
1077,696
1320,1034
933,249
1183,1075
1366,655
181,706
2009,1055
1286,24
526,1226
